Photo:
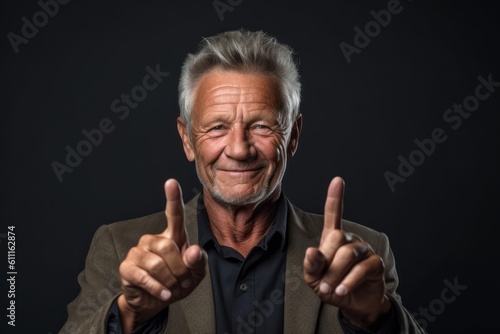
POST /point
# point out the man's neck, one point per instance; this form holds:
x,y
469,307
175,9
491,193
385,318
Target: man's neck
x,y
241,227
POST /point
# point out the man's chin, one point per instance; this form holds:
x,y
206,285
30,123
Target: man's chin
x,y
239,198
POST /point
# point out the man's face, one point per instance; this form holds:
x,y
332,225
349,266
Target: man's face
x,y
239,148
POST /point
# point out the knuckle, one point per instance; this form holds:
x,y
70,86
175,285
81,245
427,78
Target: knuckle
x,y
143,280
362,249
127,265
338,237
146,239
124,268
166,246
154,264
346,253
176,214
134,253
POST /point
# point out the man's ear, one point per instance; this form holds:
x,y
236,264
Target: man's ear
x,y
294,136
186,141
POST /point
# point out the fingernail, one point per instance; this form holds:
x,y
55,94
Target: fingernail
x,y
341,290
325,288
165,295
203,254
186,283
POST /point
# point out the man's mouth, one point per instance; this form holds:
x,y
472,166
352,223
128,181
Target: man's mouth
x,y
248,172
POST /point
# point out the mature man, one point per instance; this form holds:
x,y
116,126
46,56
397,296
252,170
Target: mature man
x,y
240,258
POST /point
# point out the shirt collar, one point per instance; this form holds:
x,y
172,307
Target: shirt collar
x,y
205,234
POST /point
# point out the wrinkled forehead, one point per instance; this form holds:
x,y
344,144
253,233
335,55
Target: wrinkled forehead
x,y
219,87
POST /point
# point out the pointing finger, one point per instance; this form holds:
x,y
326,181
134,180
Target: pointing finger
x,y
334,204
332,236
174,212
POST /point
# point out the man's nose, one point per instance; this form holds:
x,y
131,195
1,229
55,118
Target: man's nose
x,y
239,145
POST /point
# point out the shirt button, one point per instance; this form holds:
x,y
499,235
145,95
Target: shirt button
x,y
243,287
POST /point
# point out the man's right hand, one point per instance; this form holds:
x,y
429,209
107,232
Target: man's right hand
x,y
162,268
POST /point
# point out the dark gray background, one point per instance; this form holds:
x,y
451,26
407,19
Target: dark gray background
x,y
358,118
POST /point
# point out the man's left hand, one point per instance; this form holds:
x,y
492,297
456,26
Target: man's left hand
x,y
344,270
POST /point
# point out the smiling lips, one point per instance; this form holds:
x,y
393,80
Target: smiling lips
x,y
241,172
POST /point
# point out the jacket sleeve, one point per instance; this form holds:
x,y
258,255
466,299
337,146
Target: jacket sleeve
x,y
99,287
407,323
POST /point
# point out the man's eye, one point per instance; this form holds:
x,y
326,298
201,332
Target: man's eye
x,y
218,127
262,129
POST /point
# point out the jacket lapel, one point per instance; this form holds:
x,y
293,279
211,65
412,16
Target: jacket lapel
x,y
302,305
198,307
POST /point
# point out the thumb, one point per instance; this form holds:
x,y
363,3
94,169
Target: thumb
x,y
195,258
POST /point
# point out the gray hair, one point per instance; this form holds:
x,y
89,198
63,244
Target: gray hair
x,y
243,51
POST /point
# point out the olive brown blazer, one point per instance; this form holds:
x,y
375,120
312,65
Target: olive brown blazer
x,y
303,311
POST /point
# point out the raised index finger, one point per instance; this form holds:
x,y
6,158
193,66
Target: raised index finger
x,y
174,212
333,204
